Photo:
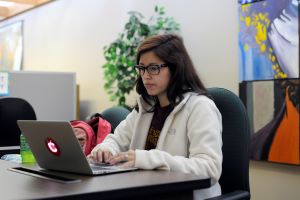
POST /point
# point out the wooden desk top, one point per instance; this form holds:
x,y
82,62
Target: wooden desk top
x,y
141,183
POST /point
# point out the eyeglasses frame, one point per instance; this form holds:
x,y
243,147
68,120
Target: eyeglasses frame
x,y
141,68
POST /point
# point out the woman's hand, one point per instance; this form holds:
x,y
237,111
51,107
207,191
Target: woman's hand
x,y
127,158
99,156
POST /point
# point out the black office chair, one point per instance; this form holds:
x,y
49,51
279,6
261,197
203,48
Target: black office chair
x,y
11,110
115,115
234,179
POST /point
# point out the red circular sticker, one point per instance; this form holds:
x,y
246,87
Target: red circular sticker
x,y
52,146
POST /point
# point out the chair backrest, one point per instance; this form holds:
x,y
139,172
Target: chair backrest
x,y
11,110
236,138
115,115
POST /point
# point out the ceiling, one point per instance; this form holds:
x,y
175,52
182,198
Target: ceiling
x,y
9,8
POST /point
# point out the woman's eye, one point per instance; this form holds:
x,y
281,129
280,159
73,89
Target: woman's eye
x,y
153,68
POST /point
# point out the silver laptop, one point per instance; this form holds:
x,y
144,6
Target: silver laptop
x,y
55,147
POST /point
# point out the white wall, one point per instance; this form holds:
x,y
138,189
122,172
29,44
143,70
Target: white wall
x,y
68,35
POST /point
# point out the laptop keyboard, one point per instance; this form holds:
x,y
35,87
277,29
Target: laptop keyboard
x,y
104,167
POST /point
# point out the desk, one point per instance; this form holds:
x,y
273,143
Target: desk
x,y
141,184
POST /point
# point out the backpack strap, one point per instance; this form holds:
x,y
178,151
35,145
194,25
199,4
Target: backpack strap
x,y
101,127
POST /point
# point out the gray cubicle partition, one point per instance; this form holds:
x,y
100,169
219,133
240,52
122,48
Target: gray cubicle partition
x,y
52,94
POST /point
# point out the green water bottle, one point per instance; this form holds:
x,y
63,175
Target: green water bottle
x,y
25,151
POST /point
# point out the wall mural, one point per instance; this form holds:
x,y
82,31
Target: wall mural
x,y
269,77
11,46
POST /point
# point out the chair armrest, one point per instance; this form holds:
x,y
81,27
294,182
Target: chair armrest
x,y
233,196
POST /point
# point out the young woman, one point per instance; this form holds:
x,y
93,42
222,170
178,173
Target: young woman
x,y
175,125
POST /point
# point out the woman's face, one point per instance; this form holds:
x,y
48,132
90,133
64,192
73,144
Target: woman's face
x,y
156,85
81,136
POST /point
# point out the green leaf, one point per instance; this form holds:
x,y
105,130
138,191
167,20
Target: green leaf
x,y
120,55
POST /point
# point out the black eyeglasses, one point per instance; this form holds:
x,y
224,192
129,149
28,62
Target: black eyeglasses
x,y
152,69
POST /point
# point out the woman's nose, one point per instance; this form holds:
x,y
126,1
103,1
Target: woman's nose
x,y
146,75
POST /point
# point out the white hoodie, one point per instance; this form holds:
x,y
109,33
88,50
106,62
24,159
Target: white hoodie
x,y
190,140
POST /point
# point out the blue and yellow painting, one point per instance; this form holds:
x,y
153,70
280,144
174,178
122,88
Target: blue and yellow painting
x,y
269,77
268,39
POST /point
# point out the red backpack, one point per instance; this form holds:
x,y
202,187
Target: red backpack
x,y
96,129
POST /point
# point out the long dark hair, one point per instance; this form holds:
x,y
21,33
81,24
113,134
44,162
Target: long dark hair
x,y
184,78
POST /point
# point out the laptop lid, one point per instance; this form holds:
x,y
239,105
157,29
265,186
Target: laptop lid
x,y
55,146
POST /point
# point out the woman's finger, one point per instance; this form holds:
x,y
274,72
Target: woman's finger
x,y
99,156
90,158
121,157
115,159
128,164
106,156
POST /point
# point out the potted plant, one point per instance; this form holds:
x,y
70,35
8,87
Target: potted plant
x,y
120,55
